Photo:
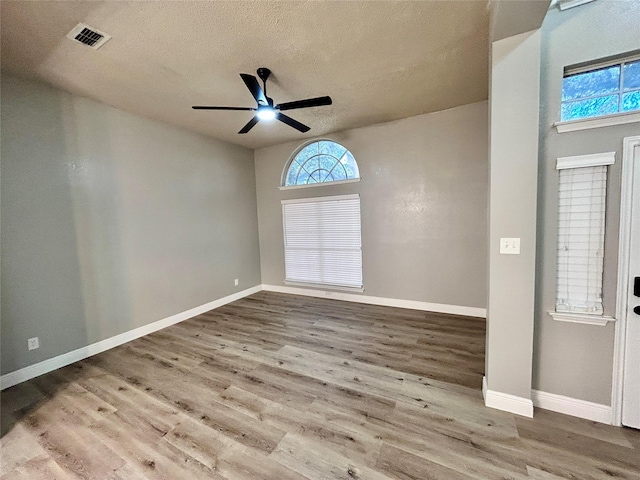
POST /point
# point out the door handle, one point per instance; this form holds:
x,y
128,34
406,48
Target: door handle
x,y
636,286
636,310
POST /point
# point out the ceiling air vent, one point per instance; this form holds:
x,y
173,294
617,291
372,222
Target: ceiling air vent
x,y
92,37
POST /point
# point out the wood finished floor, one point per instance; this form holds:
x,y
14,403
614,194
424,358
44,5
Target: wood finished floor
x,y
284,387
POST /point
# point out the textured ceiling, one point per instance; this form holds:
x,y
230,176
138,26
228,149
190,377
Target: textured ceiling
x,y
378,60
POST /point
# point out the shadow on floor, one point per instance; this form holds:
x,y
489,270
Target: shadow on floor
x,y
20,400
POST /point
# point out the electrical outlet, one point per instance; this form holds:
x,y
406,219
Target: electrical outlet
x,y
510,246
33,343
236,282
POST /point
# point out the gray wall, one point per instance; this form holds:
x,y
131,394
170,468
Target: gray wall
x,y
423,202
572,359
111,221
514,97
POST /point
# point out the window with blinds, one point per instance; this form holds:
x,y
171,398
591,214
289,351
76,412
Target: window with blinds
x,y
582,190
322,241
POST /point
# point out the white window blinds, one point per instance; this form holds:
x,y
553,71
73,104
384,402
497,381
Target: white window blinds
x,y
322,241
581,223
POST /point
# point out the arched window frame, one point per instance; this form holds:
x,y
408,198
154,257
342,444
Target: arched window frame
x,y
287,166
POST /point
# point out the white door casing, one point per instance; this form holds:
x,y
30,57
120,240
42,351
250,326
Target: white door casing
x,y
631,381
626,379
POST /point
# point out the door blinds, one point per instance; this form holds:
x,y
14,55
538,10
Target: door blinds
x,y
322,241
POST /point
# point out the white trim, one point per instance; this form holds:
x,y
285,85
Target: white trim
x,y
597,122
321,184
46,366
624,252
572,406
383,301
324,286
583,318
592,160
484,388
351,196
506,402
22,375
567,4
604,63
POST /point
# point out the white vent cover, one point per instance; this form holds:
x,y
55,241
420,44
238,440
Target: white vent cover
x,y
89,36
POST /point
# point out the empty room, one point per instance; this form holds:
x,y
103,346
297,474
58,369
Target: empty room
x,y
316,240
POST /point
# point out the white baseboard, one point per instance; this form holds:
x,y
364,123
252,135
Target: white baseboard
x,y
572,406
549,401
387,302
501,401
484,389
507,402
18,376
46,366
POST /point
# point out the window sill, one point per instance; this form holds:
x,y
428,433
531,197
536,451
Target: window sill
x,y
324,286
597,122
309,185
583,318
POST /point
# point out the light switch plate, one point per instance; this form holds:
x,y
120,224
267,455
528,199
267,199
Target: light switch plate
x,y
510,246
33,343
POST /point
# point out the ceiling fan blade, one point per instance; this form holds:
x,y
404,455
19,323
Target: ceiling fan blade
x,y
301,127
207,107
249,125
309,102
254,87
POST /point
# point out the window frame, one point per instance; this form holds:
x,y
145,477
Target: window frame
x,y
574,162
617,118
285,171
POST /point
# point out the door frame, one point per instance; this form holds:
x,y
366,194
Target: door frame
x,y
624,252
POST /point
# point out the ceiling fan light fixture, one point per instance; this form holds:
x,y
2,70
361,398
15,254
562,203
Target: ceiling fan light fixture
x,y
266,113
266,110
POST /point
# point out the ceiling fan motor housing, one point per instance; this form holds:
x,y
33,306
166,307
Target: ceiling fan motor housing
x,y
264,73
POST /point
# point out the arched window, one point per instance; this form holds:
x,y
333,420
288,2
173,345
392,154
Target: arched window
x,y
322,161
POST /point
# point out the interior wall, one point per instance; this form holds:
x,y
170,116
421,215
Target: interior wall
x,y
111,221
573,359
423,206
514,97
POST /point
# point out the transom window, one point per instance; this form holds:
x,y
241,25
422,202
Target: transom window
x,y
322,161
606,90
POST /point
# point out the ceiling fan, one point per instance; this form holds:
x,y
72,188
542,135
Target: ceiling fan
x,y
265,109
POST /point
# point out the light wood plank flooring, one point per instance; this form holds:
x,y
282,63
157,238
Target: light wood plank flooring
x,y
284,387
